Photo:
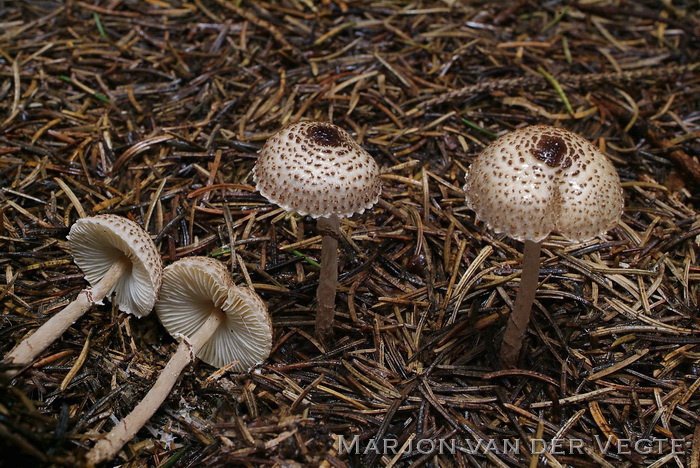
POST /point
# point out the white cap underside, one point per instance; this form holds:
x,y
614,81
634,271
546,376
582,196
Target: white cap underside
x,y
193,288
97,242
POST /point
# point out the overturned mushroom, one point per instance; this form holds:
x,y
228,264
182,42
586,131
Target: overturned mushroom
x,y
116,255
214,320
317,169
534,181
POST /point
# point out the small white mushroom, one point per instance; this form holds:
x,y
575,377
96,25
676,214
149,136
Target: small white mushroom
x,y
216,321
317,169
99,242
116,255
196,289
534,181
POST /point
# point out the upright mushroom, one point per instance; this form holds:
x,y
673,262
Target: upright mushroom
x,y
534,181
214,320
116,255
317,169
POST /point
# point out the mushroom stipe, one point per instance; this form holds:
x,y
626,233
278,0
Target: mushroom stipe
x,y
108,447
328,276
27,350
522,308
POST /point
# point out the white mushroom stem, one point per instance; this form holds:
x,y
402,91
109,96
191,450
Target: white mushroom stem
x,y
25,352
520,316
111,444
328,280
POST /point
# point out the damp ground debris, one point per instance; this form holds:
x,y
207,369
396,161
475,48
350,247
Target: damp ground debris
x,y
155,110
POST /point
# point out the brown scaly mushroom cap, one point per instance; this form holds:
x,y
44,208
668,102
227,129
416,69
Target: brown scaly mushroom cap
x,y
317,169
97,242
196,287
541,179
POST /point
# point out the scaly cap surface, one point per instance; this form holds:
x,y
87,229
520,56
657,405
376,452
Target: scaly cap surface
x,y
539,179
317,169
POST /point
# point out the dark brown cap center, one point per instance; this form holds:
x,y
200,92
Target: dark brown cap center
x,y
324,135
550,150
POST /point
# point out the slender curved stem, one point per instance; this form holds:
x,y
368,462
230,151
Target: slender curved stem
x,y
520,316
328,280
127,428
26,351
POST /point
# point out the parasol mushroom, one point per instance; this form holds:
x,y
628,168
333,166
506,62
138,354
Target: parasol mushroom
x,y
534,181
116,255
317,169
216,321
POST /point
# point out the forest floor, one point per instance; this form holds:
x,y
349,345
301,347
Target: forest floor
x,y
155,110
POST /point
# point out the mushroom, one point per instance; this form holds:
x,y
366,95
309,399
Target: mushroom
x,y
116,255
534,181
317,169
216,321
